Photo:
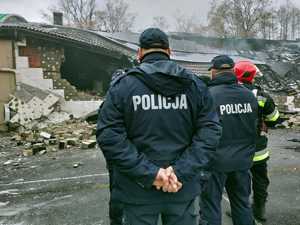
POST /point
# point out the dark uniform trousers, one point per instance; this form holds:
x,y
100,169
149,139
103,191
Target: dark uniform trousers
x,y
115,207
238,188
260,182
182,213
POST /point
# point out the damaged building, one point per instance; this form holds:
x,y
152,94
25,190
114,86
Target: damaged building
x,y
63,58
72,64
59,68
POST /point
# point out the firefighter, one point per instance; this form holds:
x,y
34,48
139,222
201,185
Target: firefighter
x,y
158,129
237,108
268,115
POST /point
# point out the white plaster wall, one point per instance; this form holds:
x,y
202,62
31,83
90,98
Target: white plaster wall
x,y
80,108
32,76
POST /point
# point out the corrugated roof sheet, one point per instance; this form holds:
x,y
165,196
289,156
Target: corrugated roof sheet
x,y
196,53
2,16
81,36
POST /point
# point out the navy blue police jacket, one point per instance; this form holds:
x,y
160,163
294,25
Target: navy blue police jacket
x,y
237,108
157,115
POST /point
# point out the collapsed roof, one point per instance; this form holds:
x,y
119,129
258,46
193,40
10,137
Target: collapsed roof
x,y
190,50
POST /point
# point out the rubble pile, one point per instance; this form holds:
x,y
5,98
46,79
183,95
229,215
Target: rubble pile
x,y
289,108
29,104
72,134
31,107
282,69
287,84
286,53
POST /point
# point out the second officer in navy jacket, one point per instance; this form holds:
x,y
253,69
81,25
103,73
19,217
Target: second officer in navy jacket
x,y
237,108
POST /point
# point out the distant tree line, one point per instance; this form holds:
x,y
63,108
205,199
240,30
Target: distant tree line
x,y
113,17
254,19
226,18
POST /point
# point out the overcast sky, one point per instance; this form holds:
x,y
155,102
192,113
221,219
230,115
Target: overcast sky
x,y
144,9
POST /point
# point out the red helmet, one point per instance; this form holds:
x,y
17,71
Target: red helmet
x,y
245,71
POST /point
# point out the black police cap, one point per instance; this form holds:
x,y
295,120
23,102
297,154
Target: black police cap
x,y
154,38
221,62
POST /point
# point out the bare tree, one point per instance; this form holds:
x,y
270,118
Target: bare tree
x,y
295,14
115,17
183,23
265,25
187,24
160,22
283,21
238,18
217,19
79,13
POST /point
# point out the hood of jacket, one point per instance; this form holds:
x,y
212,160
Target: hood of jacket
x,y
223,78
163,76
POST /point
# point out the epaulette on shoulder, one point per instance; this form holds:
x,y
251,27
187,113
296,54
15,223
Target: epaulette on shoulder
x,y
133,71
117,76
120,74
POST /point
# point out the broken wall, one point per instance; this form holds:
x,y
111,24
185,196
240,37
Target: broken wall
x,y
51,57
7,87
6,54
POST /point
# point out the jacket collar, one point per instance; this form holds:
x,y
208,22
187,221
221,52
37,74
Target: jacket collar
x,y
155,56
224,78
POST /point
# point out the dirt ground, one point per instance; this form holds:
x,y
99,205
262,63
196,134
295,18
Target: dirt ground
x,y
71,186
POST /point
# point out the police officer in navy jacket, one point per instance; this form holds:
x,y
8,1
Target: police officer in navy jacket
x,y
158,128
237,108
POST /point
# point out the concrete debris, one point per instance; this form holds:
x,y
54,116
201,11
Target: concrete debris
x,y
71,134
88,144
295,120
290,121
282,69
29,104
27,152
294,140
38,147
24,112
42,152
76,165
2,204
62,144
8,162
72,141
45,135
288,106
33,108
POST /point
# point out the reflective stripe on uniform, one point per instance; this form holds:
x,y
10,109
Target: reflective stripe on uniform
x,y
261,155
272,116
261,101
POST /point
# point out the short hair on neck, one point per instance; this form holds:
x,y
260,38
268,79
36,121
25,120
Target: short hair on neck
x,y
149,50
224,70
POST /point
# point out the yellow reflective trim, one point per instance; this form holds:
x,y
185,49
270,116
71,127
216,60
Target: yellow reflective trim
x,y
273,116
261,103
261,155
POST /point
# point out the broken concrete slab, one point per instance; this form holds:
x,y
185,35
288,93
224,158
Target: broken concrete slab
x,y
27,152
8,162
80,109
42,152
62,144
45,135
72,141
29,104
38,147
87,144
